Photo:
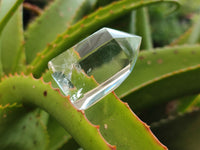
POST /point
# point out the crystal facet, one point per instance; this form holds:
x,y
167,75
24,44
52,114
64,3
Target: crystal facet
x,y
106,57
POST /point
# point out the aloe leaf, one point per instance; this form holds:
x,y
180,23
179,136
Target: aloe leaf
x,y
12,55
84,27
7,8
40,94
170,83
112,114
143,28
20,129
86,134
158,62
178,130
158,66
56,18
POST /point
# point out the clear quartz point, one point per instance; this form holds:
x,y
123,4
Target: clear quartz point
x,y
107,57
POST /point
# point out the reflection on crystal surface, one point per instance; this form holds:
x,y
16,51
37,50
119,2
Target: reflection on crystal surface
x,y
107,56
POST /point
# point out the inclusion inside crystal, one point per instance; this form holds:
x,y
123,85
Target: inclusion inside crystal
x,y
106,57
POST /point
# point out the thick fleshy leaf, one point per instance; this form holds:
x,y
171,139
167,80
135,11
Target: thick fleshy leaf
x,y
110,119
25,89
151,70
12,54
112,114
56,18
7,8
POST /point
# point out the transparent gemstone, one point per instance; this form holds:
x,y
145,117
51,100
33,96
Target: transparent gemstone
x,y
95,66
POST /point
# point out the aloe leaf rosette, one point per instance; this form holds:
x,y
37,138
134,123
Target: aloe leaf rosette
x,y
35,114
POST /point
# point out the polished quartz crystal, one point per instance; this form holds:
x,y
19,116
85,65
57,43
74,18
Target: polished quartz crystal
x,y
105,58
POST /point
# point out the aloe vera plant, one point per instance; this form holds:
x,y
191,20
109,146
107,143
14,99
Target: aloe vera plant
x,y
34,114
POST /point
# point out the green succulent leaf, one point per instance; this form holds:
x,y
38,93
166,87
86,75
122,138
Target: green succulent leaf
x,y
35,115
7,8
12,52
37,93
159,71
56,18
112,114
171,84
86,134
